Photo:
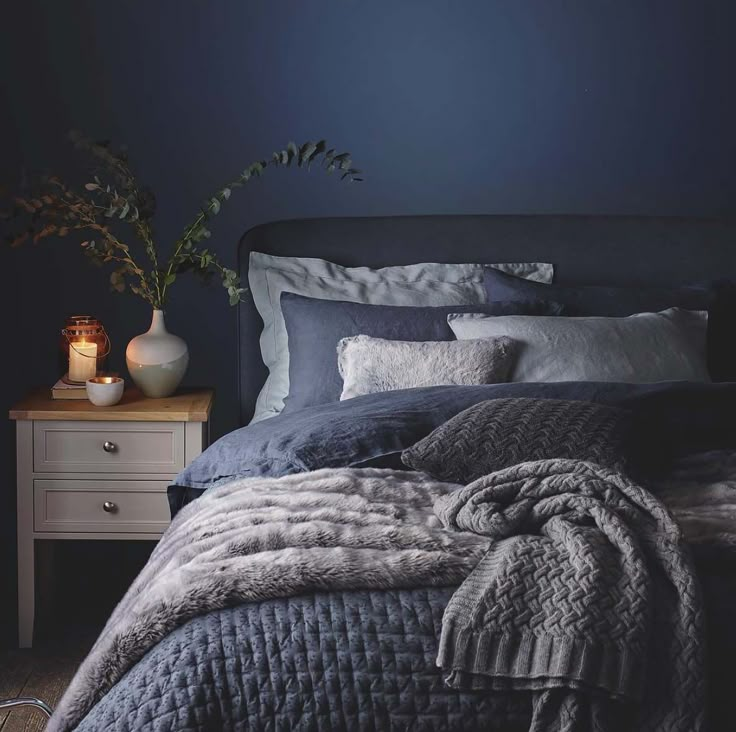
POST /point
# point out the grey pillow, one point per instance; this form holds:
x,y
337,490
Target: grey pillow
x,y
315,327
494,434
426,283
370,365
718,298
642,348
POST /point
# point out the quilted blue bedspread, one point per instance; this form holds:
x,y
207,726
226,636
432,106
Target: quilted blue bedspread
x,y
347,661
331,661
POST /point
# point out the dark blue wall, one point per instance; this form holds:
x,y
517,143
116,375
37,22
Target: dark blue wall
x,y
604,106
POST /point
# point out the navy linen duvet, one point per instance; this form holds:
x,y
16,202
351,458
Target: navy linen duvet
x,y
366,660
373,430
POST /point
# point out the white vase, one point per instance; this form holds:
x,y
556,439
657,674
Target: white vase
x,y
157,360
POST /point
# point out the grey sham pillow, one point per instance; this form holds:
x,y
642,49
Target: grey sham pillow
x,y
316,326
642,348
427,283
497,433
370,365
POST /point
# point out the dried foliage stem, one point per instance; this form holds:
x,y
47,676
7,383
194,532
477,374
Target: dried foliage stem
x,y
115,195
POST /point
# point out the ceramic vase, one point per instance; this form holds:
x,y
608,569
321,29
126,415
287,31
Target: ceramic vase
x,y
157,360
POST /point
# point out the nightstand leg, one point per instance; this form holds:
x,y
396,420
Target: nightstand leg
x,y
26,559
26,592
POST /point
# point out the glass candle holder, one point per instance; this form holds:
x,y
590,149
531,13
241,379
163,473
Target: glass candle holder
x,y
84,344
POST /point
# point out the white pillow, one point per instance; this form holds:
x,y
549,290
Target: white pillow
x,y
371,365
414,284
642,348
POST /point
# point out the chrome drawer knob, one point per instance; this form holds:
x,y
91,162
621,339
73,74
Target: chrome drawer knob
x,y
109,507
109,446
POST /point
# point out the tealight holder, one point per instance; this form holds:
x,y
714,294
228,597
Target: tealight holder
x,y
104,391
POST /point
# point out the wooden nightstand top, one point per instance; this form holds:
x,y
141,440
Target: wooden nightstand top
x,y
187,405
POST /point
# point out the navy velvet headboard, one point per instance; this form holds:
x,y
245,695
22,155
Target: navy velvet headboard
x,y
584,249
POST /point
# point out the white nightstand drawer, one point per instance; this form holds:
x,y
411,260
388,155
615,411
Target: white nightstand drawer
x,y
124,506
108,447
66,476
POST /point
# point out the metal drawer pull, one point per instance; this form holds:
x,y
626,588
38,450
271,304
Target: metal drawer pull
x,y
109,446
110,507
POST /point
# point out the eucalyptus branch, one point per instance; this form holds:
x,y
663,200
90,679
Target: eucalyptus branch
x,y
114,196
303,156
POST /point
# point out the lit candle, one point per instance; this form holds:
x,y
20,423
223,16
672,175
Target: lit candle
x,y
82,361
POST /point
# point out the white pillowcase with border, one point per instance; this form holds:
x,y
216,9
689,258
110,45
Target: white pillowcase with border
x,y
413,284
642,348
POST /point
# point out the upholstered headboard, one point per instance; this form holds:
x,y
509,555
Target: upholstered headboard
x,y
584,249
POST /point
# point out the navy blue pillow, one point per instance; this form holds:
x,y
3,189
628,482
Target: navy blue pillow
x,y
314,328
609,301
602,300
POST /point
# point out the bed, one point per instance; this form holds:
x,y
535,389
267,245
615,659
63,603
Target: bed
x,y
342,605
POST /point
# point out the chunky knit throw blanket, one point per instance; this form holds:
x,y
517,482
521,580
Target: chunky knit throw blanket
x,y
587,598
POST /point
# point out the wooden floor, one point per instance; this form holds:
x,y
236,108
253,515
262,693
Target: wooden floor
x,y
43,672
71,614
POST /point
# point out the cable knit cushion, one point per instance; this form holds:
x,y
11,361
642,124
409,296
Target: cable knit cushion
x,y
370,365
494,434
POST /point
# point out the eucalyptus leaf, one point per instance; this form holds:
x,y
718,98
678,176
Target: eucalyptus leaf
x,y
56,209
307,150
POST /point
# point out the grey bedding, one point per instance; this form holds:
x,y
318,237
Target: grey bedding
x,y
360,660
586,586
266,538
366,659
373,430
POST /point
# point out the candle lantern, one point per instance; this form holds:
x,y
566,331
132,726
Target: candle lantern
x,y
85,345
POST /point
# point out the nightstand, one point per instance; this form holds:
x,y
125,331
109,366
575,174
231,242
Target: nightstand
x,y
87,472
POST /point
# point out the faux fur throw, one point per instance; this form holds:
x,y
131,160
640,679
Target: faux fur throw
x,y
370,365
587,597
264,538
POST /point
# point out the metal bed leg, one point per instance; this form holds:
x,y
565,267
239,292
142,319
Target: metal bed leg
x,y
26,701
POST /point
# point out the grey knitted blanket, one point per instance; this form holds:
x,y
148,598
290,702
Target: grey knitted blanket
x,y
587,597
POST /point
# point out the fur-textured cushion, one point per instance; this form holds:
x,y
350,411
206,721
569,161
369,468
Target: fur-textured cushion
x,y
370,365
497,433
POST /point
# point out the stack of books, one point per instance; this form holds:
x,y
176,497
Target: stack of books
x,y
62,390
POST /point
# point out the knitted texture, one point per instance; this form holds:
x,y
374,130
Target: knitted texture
x,y
494,434
587,586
